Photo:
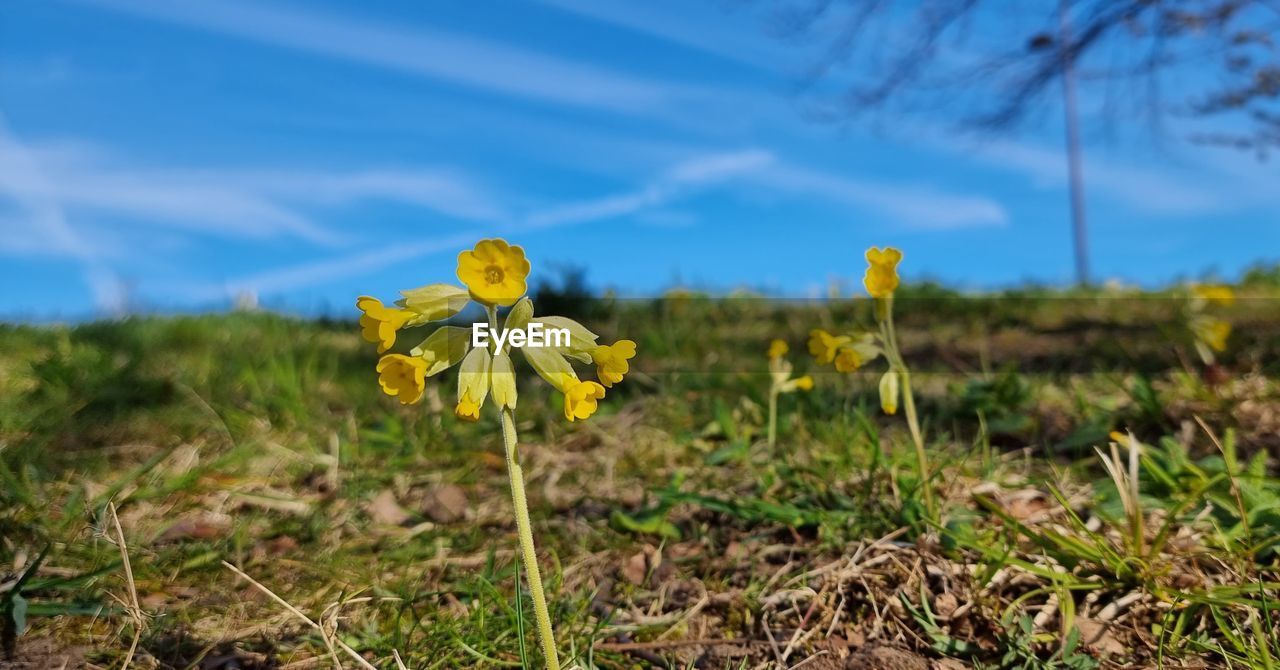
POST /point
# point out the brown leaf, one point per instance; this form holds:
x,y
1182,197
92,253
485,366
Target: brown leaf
x,y
446,504
635,569
200,527
385,510
1096,635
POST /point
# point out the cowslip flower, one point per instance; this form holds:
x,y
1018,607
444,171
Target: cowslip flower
x,y
494,274
1212,332
781,382
851,352
1209,333
1215,293
403,376
881,279
611,361
824,346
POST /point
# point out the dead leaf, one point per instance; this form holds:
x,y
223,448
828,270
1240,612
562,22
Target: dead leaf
x,y
1096,635
385,510
635,569
204,526
446,504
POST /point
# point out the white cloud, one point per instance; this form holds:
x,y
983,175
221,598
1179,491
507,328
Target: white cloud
x,y
685,24
39,225
436,54
913,206
230,203
1146,189
326,270
677,181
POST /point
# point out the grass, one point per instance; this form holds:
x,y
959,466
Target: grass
x,y
671,535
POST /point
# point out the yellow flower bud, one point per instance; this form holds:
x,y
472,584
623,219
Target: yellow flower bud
x,y
473,383
889,392
503,379
442,349
434,302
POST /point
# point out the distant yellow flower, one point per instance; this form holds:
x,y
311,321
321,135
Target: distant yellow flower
x,y
882,271
847,359
494,272
804,383
611,361
403,376
1215,293
1213,332
379,323
778,349
823,345
580,398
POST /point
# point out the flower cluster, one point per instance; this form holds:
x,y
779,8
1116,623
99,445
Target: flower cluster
x,y
850,352
781,382
1208,333
495,274
780,370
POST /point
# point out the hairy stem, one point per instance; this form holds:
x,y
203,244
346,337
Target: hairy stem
x,y
525,531
908,406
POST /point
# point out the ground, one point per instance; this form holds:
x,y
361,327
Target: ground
x,y
254,446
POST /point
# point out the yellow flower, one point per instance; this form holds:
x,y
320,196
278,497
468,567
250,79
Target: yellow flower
x,y
804,383
823,345
1213,332
473,384
847,359
889,392
882,271
1215,293
611,360
467,409
403,376
580,398
777,349
379,323
494,272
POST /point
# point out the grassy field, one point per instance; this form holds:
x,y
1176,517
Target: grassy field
x,y
670,533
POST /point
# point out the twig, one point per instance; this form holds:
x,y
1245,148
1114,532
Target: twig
x,y
135,609
298,613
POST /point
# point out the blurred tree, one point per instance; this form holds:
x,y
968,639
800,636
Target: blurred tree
x,y
992,63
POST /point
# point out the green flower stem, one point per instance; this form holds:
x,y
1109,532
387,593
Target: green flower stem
x,y
908,404
773,415
525,530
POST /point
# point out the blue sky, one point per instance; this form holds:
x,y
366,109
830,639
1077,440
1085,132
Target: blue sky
x,y
170,154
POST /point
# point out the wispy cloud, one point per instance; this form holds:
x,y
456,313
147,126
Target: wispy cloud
x,y
679,180
1148,189
228,203
913,206
330,269
38,224
688,27
458,59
